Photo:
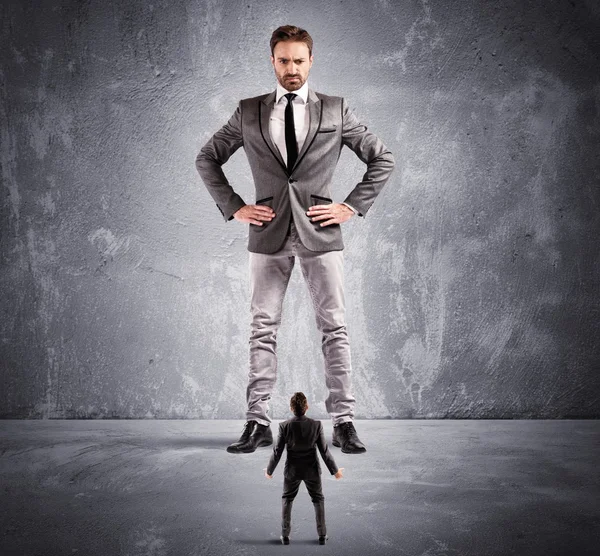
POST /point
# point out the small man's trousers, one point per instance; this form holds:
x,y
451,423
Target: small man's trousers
x,y
290,489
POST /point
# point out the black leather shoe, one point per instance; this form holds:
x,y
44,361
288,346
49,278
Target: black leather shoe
x,y
322,539
248,430
284,540
344,436
260,436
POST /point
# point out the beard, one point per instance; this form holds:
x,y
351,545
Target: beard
x,y
290,84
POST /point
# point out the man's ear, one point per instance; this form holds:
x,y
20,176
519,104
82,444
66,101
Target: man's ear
x,y
272,61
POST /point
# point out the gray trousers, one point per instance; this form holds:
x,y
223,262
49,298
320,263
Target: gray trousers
x,y
269,277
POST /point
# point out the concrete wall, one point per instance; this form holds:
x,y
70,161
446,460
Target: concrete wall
x,y
473,285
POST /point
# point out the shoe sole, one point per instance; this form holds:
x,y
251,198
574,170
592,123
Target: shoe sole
x,y
357,451
236,450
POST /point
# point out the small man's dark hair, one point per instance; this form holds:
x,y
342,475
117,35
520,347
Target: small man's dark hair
x,y
299,404
291,33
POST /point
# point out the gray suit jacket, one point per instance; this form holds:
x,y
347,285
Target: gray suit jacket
x,y
302,436
332,125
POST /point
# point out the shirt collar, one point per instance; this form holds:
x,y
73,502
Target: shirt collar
x,y
302,92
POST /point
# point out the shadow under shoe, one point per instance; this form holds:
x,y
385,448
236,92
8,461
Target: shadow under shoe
x,y
344,436
260,436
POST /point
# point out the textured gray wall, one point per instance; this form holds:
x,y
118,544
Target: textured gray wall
x,y
473,285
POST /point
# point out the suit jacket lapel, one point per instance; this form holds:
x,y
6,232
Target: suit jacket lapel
x,y
265,108
315,108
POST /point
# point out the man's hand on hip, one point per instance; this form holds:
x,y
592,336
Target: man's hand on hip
x,y
334,213
254,214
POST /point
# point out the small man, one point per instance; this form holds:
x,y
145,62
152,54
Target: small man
x,y
301,434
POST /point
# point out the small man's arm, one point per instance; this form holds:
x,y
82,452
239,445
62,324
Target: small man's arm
x,y
277,452
326,454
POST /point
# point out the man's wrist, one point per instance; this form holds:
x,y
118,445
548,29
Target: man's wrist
x,y
350,207
237,210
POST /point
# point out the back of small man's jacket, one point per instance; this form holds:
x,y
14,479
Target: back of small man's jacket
x,y
302,436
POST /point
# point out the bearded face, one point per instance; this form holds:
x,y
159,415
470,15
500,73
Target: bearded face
x,y
291,61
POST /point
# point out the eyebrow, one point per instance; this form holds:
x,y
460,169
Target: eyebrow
x,y
283,58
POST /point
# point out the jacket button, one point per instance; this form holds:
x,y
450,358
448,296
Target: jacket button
x,y
291,181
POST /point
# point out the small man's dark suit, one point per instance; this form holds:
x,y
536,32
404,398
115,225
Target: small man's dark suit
x,y
302,436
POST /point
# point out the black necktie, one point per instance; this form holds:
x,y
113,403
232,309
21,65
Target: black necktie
x,y
290,133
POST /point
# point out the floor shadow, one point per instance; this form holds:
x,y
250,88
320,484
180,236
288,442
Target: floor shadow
x,y
272,542
199,442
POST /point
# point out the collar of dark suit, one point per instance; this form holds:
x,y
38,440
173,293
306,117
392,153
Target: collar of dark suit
x,y
302,418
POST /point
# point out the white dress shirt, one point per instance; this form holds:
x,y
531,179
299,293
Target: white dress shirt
x,y
301,120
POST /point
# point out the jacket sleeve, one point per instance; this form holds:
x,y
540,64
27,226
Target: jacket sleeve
x,y
324,451
213,155
370,149
277,451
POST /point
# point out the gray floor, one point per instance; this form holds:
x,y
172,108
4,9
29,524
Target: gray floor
x,y
426,488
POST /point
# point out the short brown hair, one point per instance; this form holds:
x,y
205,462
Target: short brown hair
x,y
291,33
299,404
